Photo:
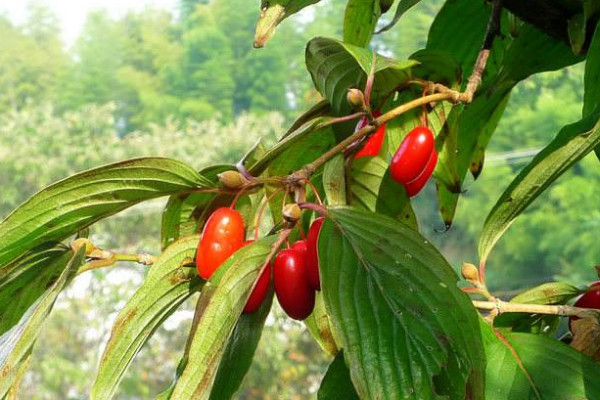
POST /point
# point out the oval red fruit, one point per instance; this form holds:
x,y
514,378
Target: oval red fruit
x,y
373,145
413,155
294,294
414,187
259,292
222,236
312,254
590,299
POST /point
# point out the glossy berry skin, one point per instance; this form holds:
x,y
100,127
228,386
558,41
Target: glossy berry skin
x,y
413,155
259,293
294,294
222,236
312,257
373,145
589,299
413,188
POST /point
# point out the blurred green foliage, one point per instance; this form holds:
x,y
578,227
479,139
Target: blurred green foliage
x,y
190,86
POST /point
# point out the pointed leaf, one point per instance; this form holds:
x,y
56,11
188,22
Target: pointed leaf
x,y
334,181
336,383
76,202
17,343
591,94
169,283
403,6
571,144
406,329
319,325
272,12
234,281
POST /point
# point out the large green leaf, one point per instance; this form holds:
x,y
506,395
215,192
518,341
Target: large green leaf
x,y
169,283
336,383
272,12
239,352
17,343
374,190
571,144
360,19
27,279
537,367
406,329
233,283
76,202
336,66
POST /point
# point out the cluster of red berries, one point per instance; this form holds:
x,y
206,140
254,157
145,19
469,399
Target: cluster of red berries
x,y
295,270
414,161
590,299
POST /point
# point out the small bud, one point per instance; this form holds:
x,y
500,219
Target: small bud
x,y
470,273
356,98
385,5
232,179
292,212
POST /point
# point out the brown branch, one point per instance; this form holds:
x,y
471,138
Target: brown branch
x,y
502,307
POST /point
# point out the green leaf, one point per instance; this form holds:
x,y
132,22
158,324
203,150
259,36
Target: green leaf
x,y
334,181
319,325
239,352
571,144
76,202
537,367
591,94
403,6
374,190
337,66
26,279
360,19
233,283
336,383
406,329
17,343
171,281
551,293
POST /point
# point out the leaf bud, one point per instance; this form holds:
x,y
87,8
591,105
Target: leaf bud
x,y
470,273
356,98
232,179
292,212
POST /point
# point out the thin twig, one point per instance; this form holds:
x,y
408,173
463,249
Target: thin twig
x,y
502,307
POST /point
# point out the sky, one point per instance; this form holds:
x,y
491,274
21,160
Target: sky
x,y
72,13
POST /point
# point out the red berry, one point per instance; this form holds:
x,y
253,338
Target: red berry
x,y
413,155
312,254
590,299
414,187
260,289
294,294
373,145
222,236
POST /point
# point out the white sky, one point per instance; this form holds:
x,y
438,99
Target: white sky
x,y
72,13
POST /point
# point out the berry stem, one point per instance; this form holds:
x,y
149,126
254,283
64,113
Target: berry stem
x,y
502,307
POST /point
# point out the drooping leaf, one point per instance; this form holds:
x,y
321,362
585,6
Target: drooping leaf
x,y
76,202
591,94
169,283
360,19
571,144
536,367
374,190
551,293
233,282
26,279
239,352
336,66
17,343
407,331
403,7
336,383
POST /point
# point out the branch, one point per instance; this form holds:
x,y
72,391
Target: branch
x,y
502,307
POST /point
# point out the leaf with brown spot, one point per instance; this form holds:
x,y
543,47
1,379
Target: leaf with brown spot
x,y
167,285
